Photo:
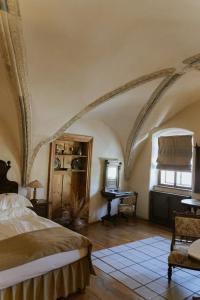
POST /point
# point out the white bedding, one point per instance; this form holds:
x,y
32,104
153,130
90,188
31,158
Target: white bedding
x,y
30,222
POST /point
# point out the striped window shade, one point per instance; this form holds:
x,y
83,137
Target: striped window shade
x,y
175,153
4,5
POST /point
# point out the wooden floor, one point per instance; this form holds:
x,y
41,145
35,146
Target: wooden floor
x,y
102,286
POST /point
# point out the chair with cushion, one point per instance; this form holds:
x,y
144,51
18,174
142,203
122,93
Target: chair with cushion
x,y
128,205
186,231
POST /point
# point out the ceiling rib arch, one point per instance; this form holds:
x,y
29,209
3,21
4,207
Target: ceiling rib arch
x,y
170,77
156,95
191,63
106,97
13,52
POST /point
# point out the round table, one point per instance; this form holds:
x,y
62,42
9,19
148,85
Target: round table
x,y
191,204
194,250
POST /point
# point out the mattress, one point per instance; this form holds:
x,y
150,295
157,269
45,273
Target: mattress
x,y
29,221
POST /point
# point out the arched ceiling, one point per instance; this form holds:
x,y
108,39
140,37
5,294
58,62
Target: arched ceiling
x,y
185,92
79,50
121,112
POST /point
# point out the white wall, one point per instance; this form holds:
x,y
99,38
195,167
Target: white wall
x,y
187,119
105,146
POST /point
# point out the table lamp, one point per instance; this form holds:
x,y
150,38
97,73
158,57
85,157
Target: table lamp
x,y
35,184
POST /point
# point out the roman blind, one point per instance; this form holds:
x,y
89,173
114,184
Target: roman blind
x,y
175,153
3,5
197,170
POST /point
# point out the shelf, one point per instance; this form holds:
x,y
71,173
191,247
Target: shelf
x,y
73,155
69,170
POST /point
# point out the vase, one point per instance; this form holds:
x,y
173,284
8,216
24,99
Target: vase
x,y
79,150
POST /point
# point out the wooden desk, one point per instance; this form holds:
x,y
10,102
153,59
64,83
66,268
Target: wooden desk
x,y
194,250
191,204
111,194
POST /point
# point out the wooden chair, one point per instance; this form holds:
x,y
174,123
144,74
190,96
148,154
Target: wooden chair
x,y
128,205
186,230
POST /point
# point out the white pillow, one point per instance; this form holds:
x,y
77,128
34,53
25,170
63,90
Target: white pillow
x,y
12,200
15,212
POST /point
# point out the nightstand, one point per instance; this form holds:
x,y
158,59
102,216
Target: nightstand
x,y
41,208
68,224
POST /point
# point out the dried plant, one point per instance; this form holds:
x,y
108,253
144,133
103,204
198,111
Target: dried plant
x,y
78,207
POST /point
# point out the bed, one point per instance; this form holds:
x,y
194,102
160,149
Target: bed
x,y
39,259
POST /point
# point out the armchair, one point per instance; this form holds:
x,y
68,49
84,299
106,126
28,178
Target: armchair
x,y
186,230
128,205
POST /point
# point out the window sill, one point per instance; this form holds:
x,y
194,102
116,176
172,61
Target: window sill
x,y
178,191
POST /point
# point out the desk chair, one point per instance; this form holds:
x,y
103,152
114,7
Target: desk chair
x,y
128,205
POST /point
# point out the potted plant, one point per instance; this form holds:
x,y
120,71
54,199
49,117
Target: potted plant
x,y
78,210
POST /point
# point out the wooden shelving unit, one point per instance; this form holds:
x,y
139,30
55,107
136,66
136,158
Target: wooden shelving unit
x,y
69,173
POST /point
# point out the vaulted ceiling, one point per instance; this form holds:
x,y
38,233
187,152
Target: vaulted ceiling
x,y
109,60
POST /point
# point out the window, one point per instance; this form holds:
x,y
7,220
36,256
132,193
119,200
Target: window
x,y
175,179
174,161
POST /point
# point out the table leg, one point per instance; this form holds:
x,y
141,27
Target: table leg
x,y
109,207
109,217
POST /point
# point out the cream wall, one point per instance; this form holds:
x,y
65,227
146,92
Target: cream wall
x,y
105,146
140,179
8,151
10,128
135,37
40,172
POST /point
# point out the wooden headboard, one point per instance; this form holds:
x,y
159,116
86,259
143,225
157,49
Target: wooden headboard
x,y
6,186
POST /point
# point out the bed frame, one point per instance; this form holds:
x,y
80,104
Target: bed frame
x,y
61,282
6,186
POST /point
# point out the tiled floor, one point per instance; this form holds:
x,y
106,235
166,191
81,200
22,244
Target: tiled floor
x,y
142,267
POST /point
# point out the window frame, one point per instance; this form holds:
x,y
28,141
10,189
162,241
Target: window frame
x,y
175,186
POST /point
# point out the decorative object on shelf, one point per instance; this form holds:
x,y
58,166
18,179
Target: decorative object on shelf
x,y
79,150
59,149
71,150
57,163
35,184
76,164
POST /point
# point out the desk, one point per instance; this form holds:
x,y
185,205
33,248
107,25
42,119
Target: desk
x,y
194,250
191,204
111,194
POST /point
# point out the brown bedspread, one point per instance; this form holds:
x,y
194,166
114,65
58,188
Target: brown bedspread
x,y
29,246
